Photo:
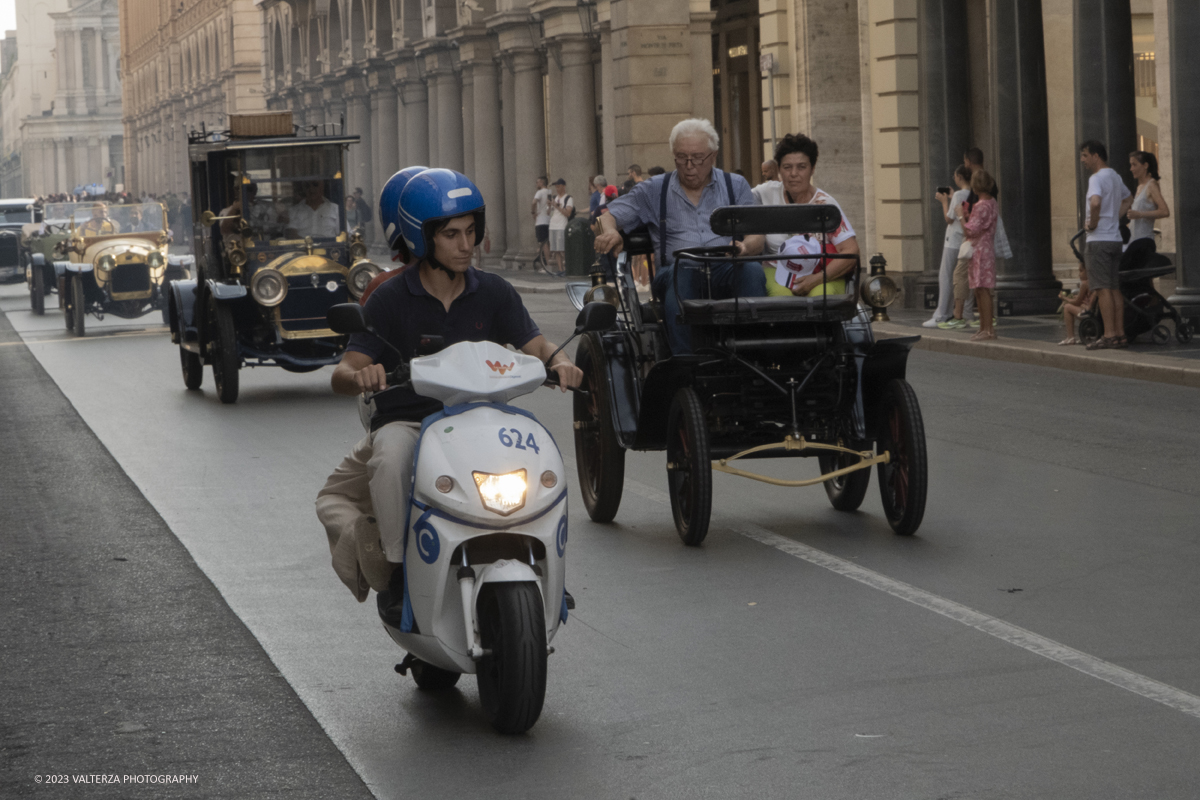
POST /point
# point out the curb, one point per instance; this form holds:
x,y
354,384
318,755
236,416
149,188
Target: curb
x,y
1117,364
537,288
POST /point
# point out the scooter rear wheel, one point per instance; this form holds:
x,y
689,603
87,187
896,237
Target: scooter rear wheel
x,y
512,676
432,679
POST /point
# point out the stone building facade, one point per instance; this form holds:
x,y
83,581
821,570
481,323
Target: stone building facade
x,y
62,99
186,64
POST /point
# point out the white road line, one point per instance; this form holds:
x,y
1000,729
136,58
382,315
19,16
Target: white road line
x,y
1012,634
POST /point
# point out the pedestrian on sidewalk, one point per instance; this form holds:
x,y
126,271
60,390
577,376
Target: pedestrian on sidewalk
x,y
562,210
951,205
1142,209
596,202
541,221
980,229
1105,195
1074,305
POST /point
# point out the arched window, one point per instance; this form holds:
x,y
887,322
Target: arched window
x,y
358,31
294,63
335,36
277,62
383,26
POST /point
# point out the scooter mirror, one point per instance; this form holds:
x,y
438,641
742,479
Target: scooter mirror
x,y
596,317
348,318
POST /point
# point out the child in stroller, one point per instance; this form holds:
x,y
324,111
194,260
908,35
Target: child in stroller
x,y
1145,308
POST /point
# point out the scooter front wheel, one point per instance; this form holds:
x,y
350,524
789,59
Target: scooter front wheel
x,y
512,676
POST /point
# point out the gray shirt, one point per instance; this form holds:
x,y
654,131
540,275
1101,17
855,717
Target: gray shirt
x,y
687,224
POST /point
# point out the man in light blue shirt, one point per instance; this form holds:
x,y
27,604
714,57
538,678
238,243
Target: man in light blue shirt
x,y
694,191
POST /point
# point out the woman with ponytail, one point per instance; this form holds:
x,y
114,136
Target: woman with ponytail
x,y
1142,209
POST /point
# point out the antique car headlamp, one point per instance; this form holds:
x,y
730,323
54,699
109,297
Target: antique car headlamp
x,y
237,256
360,276
155,260
602,293
106,263
879,291
358,251
268,287
502,494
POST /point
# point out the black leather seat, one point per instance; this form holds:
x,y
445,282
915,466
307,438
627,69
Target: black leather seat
x,y
754,310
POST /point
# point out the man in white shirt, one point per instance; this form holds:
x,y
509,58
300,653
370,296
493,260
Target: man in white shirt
x,y
315,215
541,217
563,205
1102,255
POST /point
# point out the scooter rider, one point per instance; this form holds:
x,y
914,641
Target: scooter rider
x,y
442,221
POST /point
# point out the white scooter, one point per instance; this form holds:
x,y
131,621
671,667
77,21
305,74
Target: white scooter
x,y
485,543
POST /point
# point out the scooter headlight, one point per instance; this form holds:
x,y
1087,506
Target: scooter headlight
x,y
503,494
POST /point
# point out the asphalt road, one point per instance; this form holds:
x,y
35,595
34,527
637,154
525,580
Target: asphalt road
x,y
1039,636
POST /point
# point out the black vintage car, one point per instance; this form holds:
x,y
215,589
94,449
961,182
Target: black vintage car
x,y
15,214
272,251
770,377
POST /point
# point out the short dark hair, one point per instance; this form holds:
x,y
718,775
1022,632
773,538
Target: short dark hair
x,y
796,143
635,169
1096,148
1150,160
974,156
655,171
544,179
963,172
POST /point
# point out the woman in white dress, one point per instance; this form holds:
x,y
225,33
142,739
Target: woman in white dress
x,y
797,159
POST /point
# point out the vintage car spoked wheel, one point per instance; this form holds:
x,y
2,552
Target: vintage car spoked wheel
x,y
431,678
600,459
193,369
846,492
37,292
904,480
78,306
224,352
512,677
689,467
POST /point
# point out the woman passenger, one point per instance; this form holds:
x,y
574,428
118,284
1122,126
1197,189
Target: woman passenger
x,y
796,156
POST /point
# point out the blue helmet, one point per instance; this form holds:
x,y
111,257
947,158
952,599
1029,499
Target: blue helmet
x,y
433,196
389,203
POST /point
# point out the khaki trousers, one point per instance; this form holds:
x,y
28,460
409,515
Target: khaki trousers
x,y
364,504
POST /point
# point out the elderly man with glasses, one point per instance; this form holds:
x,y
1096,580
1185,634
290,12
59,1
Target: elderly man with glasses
x,y
676,208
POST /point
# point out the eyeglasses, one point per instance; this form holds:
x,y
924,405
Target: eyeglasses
x,y
692,161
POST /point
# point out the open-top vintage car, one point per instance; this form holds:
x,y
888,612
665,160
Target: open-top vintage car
x,y
272,250
770,377
15,214
113,259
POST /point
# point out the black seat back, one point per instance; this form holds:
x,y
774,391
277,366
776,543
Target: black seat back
x,y
762,220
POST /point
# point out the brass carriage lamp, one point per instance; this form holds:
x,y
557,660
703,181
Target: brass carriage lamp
x,y
879,291
601,291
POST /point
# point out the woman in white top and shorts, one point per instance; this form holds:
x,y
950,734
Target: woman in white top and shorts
x,y
796,156
1143,208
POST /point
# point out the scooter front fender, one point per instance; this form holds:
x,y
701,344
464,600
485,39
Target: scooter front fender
x,y
506,571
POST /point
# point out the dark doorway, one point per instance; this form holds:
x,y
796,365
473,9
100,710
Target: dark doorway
x,y
737,87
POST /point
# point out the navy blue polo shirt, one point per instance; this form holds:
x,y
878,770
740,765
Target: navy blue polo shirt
x,y
489,309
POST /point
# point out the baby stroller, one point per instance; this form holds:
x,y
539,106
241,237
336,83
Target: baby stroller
x,y
1145,308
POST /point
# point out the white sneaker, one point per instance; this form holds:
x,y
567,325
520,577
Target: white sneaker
x,y
932,322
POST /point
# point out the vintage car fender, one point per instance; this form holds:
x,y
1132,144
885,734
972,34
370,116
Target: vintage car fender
x,y
60,268
225,292
886,360
74,266
38,259
182,313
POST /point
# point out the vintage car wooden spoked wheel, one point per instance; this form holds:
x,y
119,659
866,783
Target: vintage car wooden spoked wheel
x,y
689,467
223,351
904,480
193,368
37,290
78,306
600,459
846,492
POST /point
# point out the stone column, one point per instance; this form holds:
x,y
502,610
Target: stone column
x,y
945,104
1105,97
449,118
432,118
387,144
416,130
578,127
530,137
1022,163
1184,20
358,121
468,123
608,157
488,171
557,144
515,213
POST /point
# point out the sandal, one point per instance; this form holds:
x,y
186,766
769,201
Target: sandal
x,y
1068,341
1120,342
1103,343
